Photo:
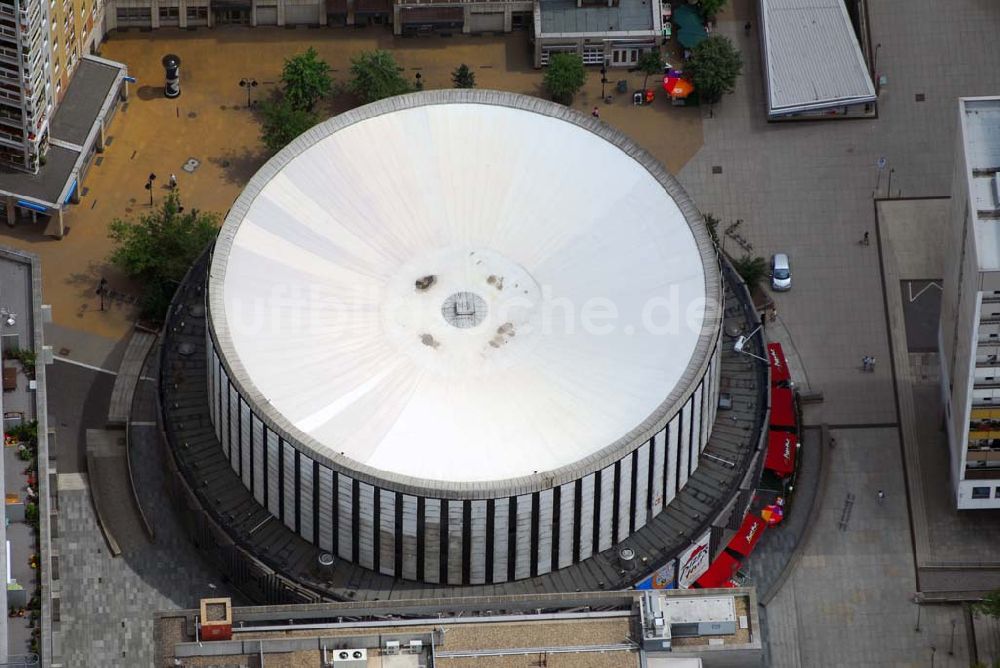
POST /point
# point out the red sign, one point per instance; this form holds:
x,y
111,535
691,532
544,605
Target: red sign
x,y
780,456
719,573
746,538
782,408
779,368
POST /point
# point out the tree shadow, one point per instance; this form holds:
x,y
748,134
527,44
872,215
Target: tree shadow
x,y
238,166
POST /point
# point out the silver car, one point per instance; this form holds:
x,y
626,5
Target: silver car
x,y
781,273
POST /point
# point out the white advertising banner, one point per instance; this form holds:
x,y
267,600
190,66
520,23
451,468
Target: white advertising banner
x,y
693,562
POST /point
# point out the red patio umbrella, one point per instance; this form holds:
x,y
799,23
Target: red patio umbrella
x,y
677,87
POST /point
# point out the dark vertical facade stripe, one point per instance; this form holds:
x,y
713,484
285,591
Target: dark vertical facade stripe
x,y
315,498
267,497
398,542
511,537
377,530
596,537
253,480
281,479
650,494
421,534
556,521
616,497
680,432
466,542
691,437
491,506
633,483
577,513
355,519
298,493
443,545
239,442
335,514
533,556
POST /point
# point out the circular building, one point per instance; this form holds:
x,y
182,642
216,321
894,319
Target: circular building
x,y
463,337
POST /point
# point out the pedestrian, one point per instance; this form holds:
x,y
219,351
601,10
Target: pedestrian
x,y
746,28
865,240
871,364
865,361
173,181
596,113
881,496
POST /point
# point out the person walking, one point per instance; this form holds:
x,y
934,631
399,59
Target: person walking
x,y
865,240
596,113
871,364
173,181
865,362
881,496
746,28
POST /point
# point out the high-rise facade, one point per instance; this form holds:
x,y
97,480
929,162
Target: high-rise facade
x,y
969,335
25,83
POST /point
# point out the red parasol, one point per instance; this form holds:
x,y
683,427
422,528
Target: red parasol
x,y
677,87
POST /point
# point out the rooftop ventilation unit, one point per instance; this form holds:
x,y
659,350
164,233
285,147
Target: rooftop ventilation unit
x,y
416,646
392,647
350,658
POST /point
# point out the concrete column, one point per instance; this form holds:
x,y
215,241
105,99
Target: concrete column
x,y
75,197
350,15
281,12
508,19
466,19
182,14
11,211
101,138
211,17
55,227
397,23
154,14
321,7
253,13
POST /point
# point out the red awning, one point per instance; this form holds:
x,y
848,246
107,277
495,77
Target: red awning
x,y
780,452
748,535
782,409
779,368
719,573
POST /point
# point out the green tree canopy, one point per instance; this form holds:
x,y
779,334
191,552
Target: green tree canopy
x,y
709,8
306,80
157,250
463,77
282,122
715,63
751,269
650,62
564,77
375,76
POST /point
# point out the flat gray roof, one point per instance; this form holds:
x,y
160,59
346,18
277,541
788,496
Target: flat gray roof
x,y
86,94
47,185
812,57
563,16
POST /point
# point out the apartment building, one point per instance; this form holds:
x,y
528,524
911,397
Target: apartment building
x,y
969,335
25,83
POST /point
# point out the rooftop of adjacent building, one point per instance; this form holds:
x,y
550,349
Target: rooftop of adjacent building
x,y
78,115
600,629
564,16
981,138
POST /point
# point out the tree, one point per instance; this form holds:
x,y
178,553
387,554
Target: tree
x,y
282,122
712,223
375,76
751,269
715,63
463,77
650,63
989,606
157,250
306,79
709,8
564,77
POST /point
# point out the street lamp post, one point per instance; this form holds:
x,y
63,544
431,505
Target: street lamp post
x,y
933,652
102,288
149,187
604,80
248,83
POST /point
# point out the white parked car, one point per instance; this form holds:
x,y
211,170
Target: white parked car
x,y
781,273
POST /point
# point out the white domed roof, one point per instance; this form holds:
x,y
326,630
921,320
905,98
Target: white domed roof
x,y
430,292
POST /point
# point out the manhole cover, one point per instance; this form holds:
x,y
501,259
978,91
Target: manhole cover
x,y
192,114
